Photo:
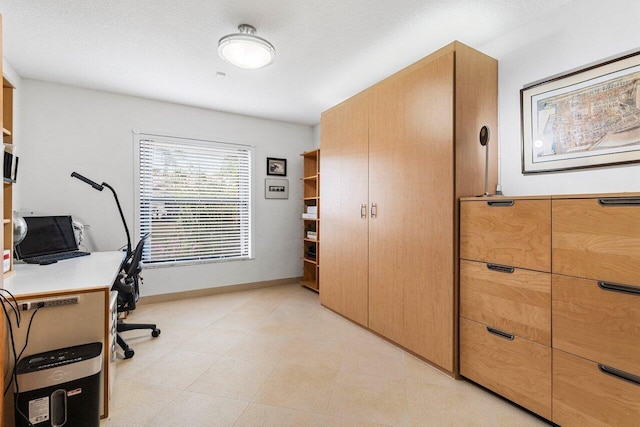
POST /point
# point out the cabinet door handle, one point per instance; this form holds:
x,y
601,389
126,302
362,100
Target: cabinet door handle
x,y
501,203
374,210
619,201
501,334
617,373
500,268
616,287
363,210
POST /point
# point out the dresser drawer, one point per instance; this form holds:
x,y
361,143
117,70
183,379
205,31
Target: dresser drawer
x,y
594,320
597,238
510,299
585,395
516,368
505,231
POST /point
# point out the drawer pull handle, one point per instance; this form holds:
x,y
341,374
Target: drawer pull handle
x,y
501,204
500,333
619,201
615,287
500,268
634,379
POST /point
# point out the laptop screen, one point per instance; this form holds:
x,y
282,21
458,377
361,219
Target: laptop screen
x,y
47,235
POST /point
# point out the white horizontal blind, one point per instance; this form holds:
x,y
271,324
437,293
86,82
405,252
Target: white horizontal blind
x,y
195,200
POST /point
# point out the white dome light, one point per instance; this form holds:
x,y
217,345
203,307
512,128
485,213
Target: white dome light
x,y
245,49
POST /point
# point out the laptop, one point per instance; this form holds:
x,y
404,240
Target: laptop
x,y
49,239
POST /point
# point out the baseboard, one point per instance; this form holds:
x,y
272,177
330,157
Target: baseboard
x,y
197,293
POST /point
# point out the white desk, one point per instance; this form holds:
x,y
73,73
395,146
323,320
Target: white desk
x,y
88,278
96,271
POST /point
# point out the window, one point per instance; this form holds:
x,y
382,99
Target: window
x,y
195,199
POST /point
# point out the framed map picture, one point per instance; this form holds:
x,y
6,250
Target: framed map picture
x,y
585,118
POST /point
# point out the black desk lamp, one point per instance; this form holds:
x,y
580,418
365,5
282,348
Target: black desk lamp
x,y
100,187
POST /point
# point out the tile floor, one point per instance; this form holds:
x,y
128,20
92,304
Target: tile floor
x,y
275,357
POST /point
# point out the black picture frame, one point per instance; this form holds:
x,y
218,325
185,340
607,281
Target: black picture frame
x,y
583,118
276,167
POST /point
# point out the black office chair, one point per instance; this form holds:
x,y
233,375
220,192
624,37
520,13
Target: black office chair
x,y
128,286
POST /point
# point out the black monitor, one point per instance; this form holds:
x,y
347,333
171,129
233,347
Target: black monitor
x,y
47,235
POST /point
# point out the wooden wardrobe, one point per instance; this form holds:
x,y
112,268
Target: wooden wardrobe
x,y
396,159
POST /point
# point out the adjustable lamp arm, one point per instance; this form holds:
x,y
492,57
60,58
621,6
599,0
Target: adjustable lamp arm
x,y
100,187
124,221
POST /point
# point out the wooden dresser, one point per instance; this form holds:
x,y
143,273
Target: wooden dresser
x,y
550,304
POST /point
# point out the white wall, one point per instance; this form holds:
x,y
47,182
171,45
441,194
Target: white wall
x,y
65,129
581,33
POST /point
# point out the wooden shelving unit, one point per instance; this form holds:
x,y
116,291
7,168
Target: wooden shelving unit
x,y
8,143
311,220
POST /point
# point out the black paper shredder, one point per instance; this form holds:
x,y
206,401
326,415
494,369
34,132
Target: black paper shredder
x,y
60,387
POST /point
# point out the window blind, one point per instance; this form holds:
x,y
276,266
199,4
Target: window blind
x,y
195,200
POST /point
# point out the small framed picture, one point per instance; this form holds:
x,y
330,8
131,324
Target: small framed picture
x,y
276,166
276,188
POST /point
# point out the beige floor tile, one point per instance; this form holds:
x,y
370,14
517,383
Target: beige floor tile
x,y
177,368
325,325
370,398
215,340
135,404
371,355
298,387
272,416
282,348
234,377
243,319
280,325
260,346
315,353
199,410
416,370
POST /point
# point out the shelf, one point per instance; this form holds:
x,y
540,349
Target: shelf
x,y
311,198
310,261
311,240
6,132
6,221
310,178
310,284
310,219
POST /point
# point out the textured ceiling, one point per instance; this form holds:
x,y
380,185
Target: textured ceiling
x,y
326,50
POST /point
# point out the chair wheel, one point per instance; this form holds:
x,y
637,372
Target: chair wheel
x,y
128,353
155,332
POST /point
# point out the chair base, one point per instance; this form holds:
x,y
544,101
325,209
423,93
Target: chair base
x,y
122,327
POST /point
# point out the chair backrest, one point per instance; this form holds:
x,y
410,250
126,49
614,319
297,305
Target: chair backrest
x,y
128,281
133,265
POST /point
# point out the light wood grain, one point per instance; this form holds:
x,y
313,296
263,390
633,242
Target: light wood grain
x,y
599,325
585,396
411,239
422,120
518,236
519,370
3,344
519,302
344,132
311,197
596,242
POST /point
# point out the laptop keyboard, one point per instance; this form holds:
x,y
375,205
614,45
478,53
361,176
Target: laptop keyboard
x,y
54,257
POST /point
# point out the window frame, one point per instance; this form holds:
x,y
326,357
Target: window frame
x,y
165,137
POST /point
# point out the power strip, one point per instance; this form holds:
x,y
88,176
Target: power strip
x,y
32,305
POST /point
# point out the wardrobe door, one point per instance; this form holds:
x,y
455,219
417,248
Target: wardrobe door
x,y
411,233
345,209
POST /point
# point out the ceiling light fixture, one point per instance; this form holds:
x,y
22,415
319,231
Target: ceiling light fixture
x,y
245,49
